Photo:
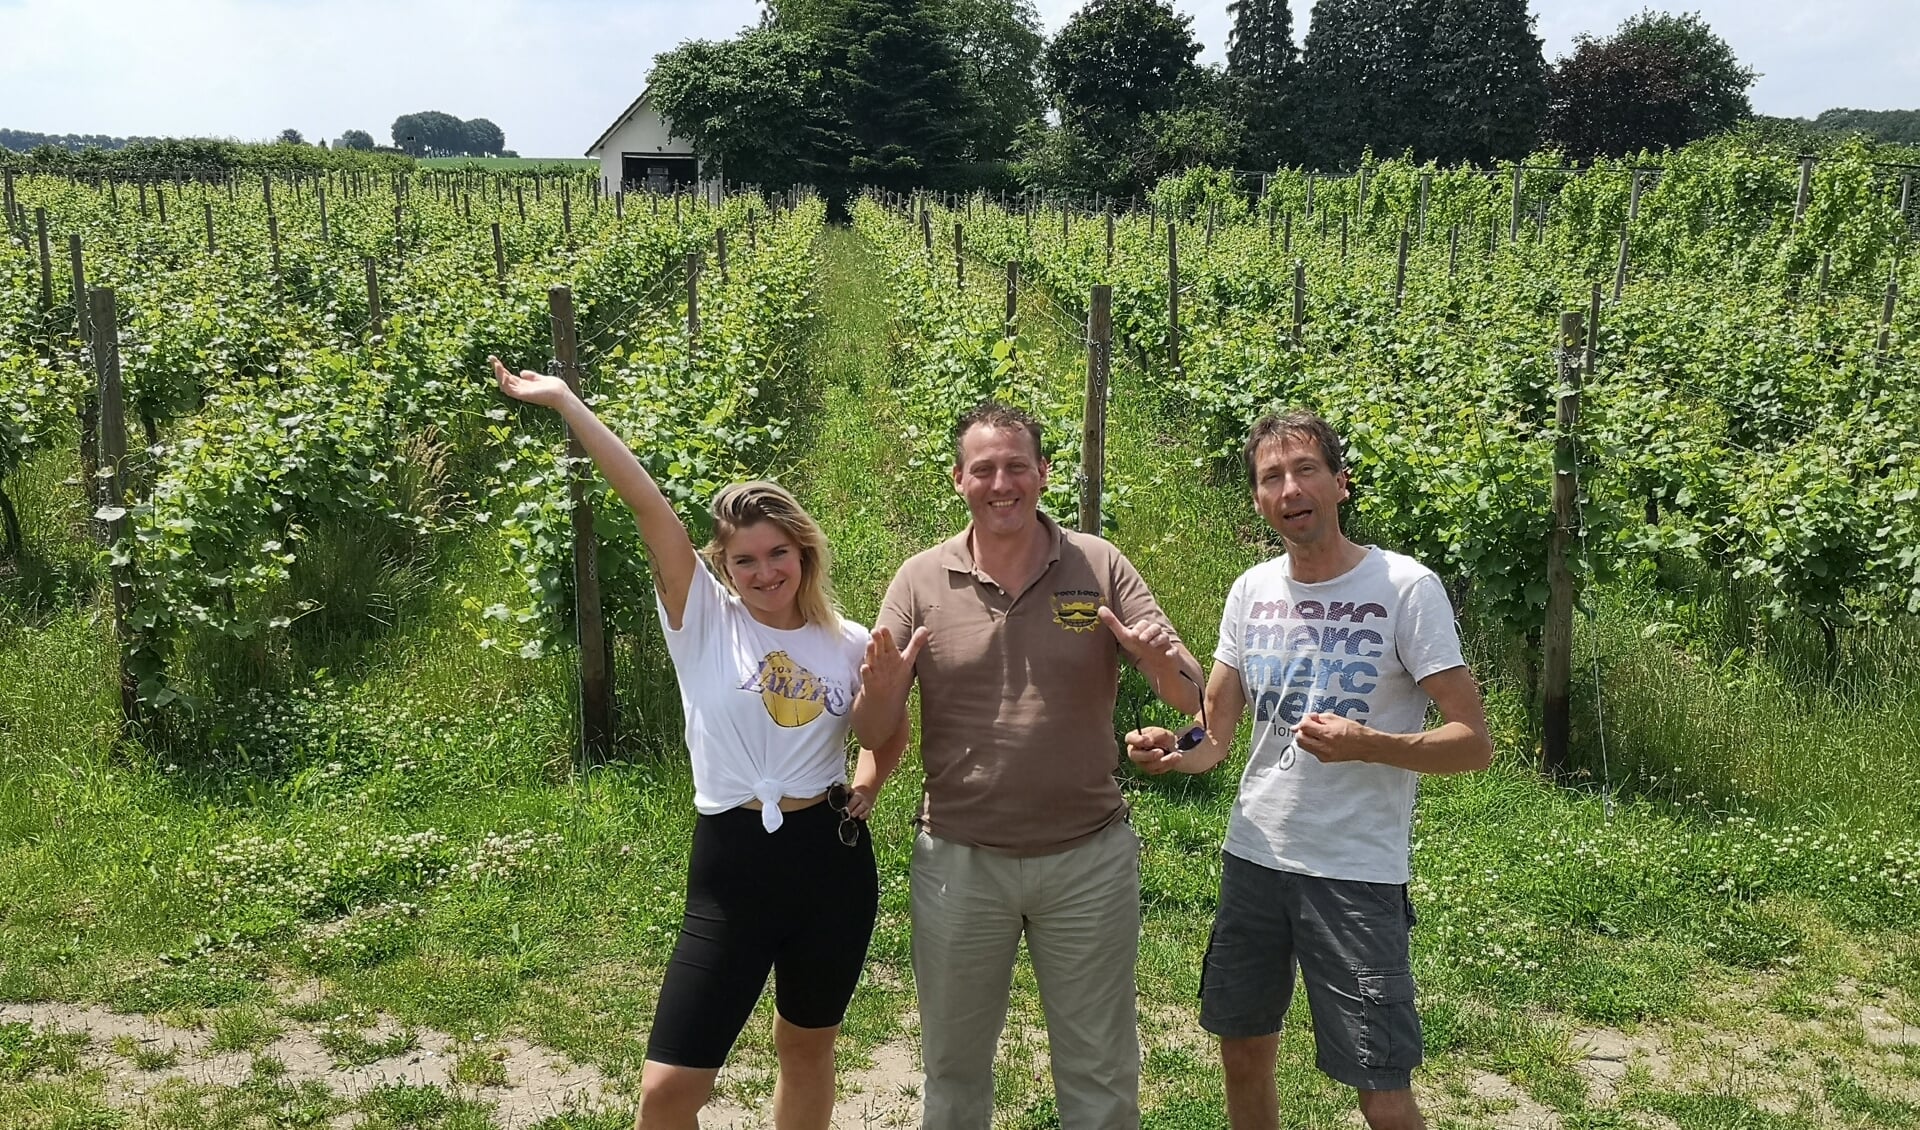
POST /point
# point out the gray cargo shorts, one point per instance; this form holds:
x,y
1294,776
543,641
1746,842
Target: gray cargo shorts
x,y
1350,941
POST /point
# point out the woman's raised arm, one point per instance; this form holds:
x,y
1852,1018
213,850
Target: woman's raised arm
x,y
668,545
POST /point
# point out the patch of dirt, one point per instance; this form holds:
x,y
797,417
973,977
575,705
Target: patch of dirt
x,y
1606,1056
539,1081
1509,1107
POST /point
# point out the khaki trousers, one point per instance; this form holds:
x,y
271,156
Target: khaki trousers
x,y
1080,912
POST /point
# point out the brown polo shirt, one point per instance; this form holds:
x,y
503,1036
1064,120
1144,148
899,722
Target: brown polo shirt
x,y
1017,691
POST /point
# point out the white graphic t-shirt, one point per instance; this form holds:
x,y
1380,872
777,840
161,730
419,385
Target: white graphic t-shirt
x,y
1357,646
767,708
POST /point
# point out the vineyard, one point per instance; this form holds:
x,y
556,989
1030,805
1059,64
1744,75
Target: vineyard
x,y
324,663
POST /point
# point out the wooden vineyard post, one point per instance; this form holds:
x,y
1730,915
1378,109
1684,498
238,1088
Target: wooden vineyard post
x,y
1013,297
46,260
1309,196
160,200
1557,635
1173,295
1093,428
1806,190
520,201
926,230
103,315
620,206
320,198
1299,301
7,200
499,257
1826,269
720,252
1426,183
1886,316
693,299
1620,269
1273,223
1906,194
273,239
78,270
1286,236
959,255
590,628
143,200
1400,273
1453,251
566,210
373,298
1593,331
1513,220
1633,197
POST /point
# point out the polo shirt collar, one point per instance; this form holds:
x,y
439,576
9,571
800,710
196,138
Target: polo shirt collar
x,y
956,553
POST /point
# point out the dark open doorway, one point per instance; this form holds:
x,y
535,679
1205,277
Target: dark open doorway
x,y
657,172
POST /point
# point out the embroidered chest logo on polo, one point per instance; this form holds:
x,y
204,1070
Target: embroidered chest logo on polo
x,y
793,695
1077,610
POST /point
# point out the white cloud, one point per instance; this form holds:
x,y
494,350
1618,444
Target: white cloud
x,y
554,74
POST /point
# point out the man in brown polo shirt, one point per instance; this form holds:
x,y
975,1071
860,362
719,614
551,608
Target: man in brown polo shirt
x,y
1014,630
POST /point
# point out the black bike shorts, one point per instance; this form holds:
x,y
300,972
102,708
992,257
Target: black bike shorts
x,y
797,902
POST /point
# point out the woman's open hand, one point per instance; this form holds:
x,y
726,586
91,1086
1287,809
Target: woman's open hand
x,y
532,387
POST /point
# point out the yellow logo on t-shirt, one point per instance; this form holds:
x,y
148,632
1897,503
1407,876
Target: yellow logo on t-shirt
x,y
1077,611
793,695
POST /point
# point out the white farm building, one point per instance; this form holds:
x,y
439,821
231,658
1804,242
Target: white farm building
x,y
639,152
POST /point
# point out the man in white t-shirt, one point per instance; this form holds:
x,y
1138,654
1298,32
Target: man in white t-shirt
x,y
1339,648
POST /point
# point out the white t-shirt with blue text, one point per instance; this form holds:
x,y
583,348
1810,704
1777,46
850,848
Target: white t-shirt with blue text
x,y
1357,646
767,709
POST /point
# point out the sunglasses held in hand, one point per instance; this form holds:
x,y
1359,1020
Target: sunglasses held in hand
x,y
1187,739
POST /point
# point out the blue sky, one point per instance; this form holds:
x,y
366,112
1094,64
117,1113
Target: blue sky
x,y
554,74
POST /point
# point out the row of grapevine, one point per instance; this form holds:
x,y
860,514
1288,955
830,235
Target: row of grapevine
x,y
957,346
1734,417
343,390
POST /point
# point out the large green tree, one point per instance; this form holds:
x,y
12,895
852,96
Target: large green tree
x,y
1349,82
1117,60
897,109
1262,64
1453,80
751,103
1661,80
1485,89
998,43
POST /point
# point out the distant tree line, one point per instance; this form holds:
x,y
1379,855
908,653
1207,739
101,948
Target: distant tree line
x,y
1893,127
954,93
20,140
191,156
431,133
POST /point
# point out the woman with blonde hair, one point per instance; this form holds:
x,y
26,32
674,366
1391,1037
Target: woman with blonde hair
x,y
781,876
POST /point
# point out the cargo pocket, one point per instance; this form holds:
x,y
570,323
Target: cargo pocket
x,y
1389,1021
